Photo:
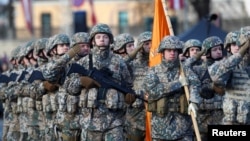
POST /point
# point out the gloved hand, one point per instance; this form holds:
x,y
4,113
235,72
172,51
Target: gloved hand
x,y
88,82
73,51
183,80
49,86
130,98
207,91
244,47
218,90
192,107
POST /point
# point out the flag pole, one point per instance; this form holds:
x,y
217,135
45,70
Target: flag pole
x,y
195,124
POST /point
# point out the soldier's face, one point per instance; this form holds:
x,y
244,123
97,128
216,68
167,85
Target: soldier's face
x,y
130,47
101,40
84,49
170,54
62,48
193,51
234,48
216,52
146,46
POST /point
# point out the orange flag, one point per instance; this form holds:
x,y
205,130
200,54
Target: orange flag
x,y
160,29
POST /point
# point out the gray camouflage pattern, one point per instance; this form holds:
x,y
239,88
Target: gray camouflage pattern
x,y
191,43
121,40
170,42
229,73
80,37
232,37
145,36
40,44
210,42
244,35
55,40
101,28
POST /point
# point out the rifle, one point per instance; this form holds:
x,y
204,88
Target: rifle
x,y
102,77
22,76
4,79
36,75
7,79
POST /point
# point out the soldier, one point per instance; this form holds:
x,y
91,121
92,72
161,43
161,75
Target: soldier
x,y
68,121
104,107
56,47
135,114
232,73
7,113
230,42
191,48
166,98
26,105
124,45
210,109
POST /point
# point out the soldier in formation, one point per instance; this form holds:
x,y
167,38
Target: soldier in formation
x,y
46,97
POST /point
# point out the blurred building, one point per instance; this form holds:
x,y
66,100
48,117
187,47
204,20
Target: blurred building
x,y
134,16
66,16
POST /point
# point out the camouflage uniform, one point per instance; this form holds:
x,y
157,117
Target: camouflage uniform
x,y
35,91
7,113
135,114
50,100
210,109
166,98
103,117
17,129
68,121
232,73
120,42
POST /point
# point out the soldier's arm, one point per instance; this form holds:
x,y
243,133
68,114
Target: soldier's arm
x,y
194,85
157,90
220,71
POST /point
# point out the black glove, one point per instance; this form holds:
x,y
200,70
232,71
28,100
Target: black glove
x,y
207,92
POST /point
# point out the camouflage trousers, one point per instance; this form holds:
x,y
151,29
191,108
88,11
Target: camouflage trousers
x,y
5,132
208,117
132,134
235,111
49,134
114,134
13,136
33,133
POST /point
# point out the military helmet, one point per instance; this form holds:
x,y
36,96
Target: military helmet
x,y
101,28
170,42
29,47
145,36
14,53
244,35
55,40
191,43
40,44
22,52
211,42
121,40
231,37
25,49
80,37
